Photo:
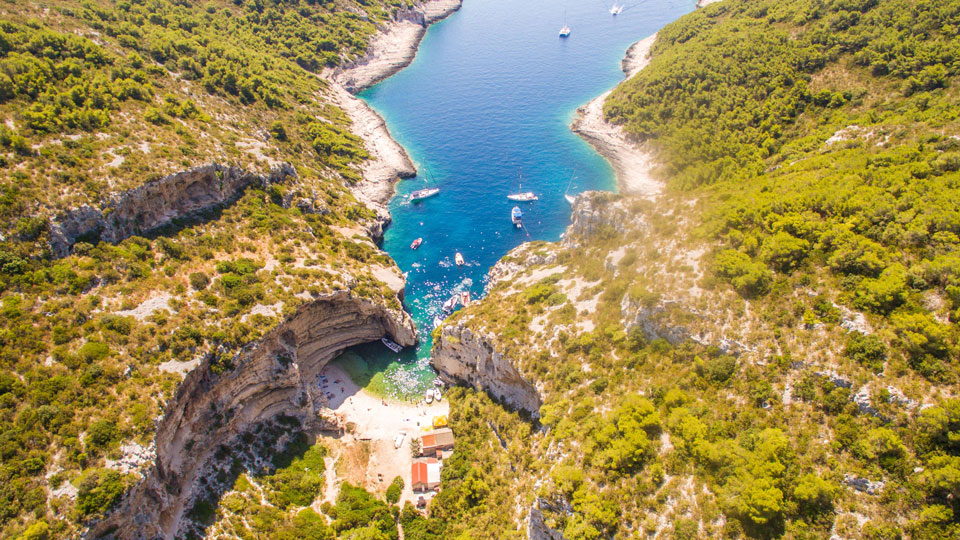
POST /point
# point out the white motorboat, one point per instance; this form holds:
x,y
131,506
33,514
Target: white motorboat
x,y
516,216
616,9
450,304
429,396
390,344
458,258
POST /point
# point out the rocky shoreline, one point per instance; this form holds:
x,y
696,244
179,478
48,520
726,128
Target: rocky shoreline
x,y
394,47
633,163
390,51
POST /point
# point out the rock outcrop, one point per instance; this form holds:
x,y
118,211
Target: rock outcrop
x,y
537,529
156,204
278,375
460,355
594,211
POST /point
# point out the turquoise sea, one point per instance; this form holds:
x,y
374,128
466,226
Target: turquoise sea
x,y
489,97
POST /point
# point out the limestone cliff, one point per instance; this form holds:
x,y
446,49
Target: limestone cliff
x,y
461,355
278,375
156,204
594,211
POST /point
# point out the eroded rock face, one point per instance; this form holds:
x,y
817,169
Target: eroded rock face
x,y
460,355
594,211
156,204
278,375
537,529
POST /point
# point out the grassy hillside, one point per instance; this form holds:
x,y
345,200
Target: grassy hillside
x,y
99,97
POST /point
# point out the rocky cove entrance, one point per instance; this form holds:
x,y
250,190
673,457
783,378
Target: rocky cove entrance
x,y
485,106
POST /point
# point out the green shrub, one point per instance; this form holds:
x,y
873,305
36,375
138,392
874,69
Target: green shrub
x,y
199,281
867,350
394,490
97,491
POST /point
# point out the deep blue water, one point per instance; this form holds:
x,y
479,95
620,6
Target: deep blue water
x,y
491,94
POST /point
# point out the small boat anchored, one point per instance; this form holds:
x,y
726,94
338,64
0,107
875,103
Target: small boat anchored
x,y
429,396
458,258
422,194
565,31
450,304
416,243
566,192
516,216
465,298
390,344
520,195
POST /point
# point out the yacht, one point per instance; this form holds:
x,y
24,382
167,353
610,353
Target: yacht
x,y
520,195
424,193
616,9
416,243
458,258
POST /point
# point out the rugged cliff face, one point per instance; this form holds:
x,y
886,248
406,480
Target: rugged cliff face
x,y
460,355
156,204
279,375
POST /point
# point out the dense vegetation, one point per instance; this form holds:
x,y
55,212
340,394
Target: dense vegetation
x,y
819,140
826,137
99,97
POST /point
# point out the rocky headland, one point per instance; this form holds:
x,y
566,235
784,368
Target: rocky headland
x,y
633,163
394,47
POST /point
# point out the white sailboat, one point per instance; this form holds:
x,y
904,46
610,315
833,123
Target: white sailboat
x,y
565,31
424,193
616,9
566,193
520,195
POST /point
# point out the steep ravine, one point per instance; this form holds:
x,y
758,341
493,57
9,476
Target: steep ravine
x,y
277,375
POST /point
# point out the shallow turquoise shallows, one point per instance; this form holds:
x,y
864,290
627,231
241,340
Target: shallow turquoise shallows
x,y
490,97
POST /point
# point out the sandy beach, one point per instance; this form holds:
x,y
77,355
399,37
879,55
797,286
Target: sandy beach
x,y
632,163
378,421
